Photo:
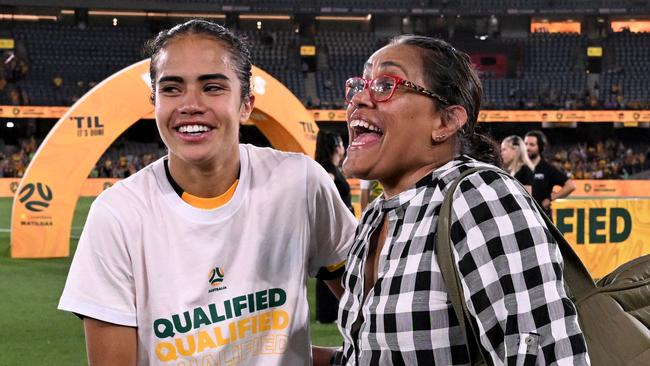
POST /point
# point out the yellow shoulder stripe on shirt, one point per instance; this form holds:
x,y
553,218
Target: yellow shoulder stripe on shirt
x,y
334,267
213,202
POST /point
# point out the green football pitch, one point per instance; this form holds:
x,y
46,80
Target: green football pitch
x,y
33,332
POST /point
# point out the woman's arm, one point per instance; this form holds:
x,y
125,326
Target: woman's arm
x,y
322,355
110,344
335,286
512,268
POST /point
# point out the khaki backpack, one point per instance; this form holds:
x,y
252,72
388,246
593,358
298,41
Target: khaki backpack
x,y
614,313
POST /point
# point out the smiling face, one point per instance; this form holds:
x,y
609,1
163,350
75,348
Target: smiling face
x,y
391,141
198,102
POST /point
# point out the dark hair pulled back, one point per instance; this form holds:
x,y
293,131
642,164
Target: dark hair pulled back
x,y
326,143
239,52
448,72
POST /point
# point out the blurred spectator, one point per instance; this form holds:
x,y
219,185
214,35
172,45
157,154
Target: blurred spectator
x,y
94,173
8,169
106,170
3,163
15,68
19,164
16,95
148,159
29,148
125,164
608,159
131,169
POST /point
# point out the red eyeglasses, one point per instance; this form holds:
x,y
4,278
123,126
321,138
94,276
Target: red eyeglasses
x,y
383,87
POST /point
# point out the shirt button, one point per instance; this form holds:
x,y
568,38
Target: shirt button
x,y
529,340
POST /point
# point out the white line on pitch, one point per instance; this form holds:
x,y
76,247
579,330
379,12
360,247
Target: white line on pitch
x,y
5,230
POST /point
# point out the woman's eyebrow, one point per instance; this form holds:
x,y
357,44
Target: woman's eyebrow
x,y
215,76
386,64
175,79
178,79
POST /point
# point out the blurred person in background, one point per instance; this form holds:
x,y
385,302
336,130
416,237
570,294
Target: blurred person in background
x,y
516,161
546,176
329,153
4,162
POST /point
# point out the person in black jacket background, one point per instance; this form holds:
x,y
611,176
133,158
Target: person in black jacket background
x,y
329,154
546,176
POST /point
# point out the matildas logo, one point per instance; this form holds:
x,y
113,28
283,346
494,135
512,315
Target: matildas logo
x,y
28,196
216,279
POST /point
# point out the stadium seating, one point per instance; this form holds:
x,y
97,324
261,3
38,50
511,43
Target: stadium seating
x,y
545,71
482,7
552,75
342,56
80,57
277,53
626,72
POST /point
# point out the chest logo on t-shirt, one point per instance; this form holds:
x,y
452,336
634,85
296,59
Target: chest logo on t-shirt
x,y
539,176
217,275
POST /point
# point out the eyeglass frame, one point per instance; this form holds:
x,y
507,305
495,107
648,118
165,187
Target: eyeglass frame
x,y
398,81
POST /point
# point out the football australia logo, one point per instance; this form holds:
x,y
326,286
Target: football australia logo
x,y
36,197
217,275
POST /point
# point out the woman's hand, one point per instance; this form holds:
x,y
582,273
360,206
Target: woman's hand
x,y
322,355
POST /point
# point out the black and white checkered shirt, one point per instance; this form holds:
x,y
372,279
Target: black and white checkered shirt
x,y
511,272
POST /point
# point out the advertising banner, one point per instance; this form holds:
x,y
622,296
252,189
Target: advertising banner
x,y
8,111
8,186
605,233
611,188
630,118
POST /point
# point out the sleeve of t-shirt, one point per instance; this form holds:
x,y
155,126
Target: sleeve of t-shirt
x,y
527,176
331,223
558,177
100,282
364,184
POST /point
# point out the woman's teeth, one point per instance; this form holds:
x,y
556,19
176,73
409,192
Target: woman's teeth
x,y
364,124
193,129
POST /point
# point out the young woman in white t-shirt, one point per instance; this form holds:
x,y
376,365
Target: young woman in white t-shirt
x,y
202,256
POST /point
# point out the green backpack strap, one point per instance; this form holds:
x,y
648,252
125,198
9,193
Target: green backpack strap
x,y
577,277
446,262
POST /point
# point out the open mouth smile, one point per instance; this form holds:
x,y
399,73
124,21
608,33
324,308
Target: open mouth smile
x,y
364,134
193,129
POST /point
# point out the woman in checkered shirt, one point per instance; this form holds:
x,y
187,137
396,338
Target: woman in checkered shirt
x,y
411,119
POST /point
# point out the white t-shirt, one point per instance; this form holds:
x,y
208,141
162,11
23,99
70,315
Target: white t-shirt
x,y
364,184
212,287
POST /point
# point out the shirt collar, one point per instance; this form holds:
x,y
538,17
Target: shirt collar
x,y
440,177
